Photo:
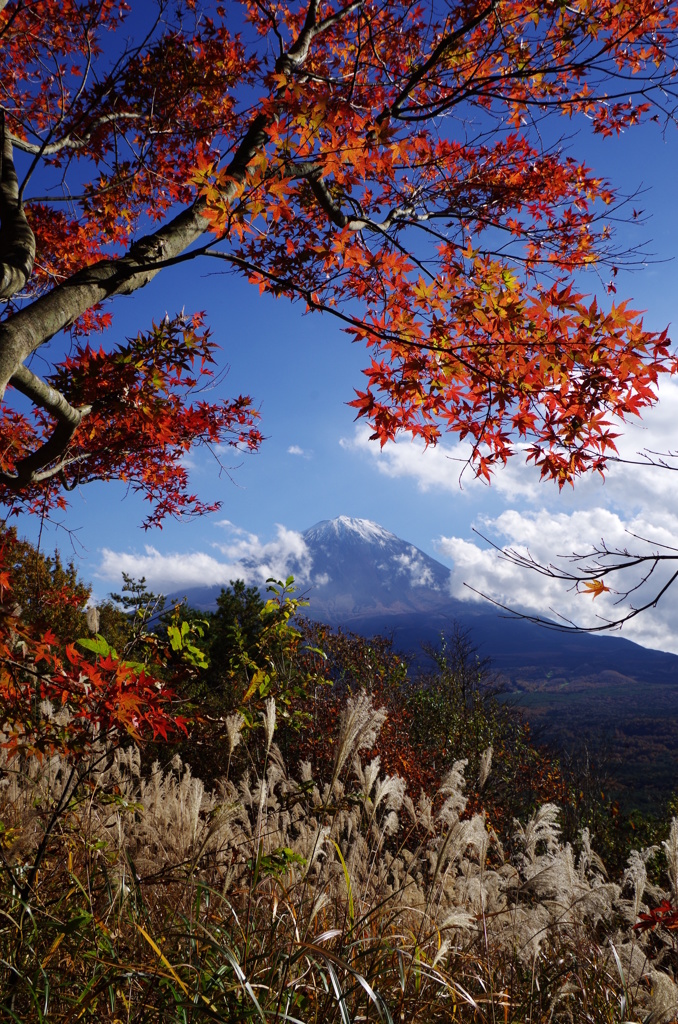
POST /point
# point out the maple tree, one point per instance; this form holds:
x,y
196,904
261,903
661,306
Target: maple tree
x,y
58,692
378,161
49,594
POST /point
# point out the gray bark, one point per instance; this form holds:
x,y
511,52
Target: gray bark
x,y
17,241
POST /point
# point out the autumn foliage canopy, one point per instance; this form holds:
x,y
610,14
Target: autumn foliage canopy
x,y
388,163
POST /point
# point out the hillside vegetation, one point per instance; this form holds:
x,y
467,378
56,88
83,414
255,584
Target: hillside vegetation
x,y
328,842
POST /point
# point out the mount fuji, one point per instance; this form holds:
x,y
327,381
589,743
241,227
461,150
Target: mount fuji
x,y
358,575
361,577
359,569
348,568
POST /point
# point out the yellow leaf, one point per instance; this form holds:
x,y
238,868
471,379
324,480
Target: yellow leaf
x,y
163,959
257,679
595,588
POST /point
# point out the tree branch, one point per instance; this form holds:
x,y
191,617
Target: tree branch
x,y
68,420
71,140
312,172
448,42
48,398
596,566
31,327
298,52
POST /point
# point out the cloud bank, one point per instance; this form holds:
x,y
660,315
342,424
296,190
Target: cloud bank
x,y
242,556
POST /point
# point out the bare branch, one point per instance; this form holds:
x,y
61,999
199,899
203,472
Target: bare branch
x,y
598,568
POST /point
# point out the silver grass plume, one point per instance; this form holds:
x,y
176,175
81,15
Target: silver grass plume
x,y
367,775
635,875
444,886
61,717
234,724
588,858
541,828
452,787
359,726
392,790
421,815
459,918
269,722
478,838
485,766
450,850
671,848
663,999
441,955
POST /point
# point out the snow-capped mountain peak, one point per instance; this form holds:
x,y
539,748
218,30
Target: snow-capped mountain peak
x,y
348,567
359,565
344,526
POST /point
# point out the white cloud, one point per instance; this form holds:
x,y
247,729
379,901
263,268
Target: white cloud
x,y
167,572
288,553
413,564
244,556
430,468
295,449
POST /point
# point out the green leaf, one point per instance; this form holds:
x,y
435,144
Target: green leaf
x,y
98,645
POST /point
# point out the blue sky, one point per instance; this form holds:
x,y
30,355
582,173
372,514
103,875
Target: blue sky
x,y
317,462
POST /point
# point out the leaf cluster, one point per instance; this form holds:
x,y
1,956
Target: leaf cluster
x,y
59,691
